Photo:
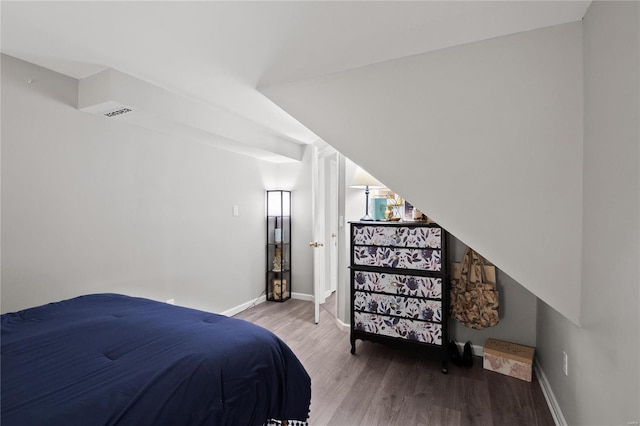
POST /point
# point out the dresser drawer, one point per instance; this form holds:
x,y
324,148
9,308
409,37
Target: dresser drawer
x,y
398,236
409,285
401,306
418,331
399,258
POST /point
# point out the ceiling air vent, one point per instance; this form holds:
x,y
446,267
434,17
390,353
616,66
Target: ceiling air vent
x,y
117,112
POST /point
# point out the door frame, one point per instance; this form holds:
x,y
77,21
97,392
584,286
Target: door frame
x,y
326,257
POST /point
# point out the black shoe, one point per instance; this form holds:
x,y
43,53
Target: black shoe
x,y
454,353
467,355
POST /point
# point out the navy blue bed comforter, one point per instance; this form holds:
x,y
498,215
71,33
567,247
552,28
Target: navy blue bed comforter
x,y
109,359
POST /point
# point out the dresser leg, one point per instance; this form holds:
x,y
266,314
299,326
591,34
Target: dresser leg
x,y
353,346
444,369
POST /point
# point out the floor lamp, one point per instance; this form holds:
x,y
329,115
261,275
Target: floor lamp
x,y
362,179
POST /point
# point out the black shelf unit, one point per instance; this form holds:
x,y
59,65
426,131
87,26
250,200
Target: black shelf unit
x,y
278,281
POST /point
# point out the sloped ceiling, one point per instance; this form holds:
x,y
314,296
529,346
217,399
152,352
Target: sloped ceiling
x,y
220,52
334,66
485,138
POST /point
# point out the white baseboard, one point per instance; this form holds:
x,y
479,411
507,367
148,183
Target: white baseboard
x,y
343,326
307,297
477,350
302,296
552,402
237,309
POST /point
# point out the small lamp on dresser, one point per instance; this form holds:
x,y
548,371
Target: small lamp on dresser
x,y
362,179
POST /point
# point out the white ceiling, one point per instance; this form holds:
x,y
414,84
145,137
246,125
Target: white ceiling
x,y
221,52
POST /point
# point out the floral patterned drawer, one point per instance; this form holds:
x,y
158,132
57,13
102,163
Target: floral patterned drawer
x,y
408,307
425,332
400,258
419,237
408,285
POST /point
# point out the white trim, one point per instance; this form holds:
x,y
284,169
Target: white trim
x,y
343,326
326,151
236,310
302,296
477,350
552,402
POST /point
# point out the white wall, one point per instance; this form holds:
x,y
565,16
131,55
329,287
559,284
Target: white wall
x,y
603,385
96,205
498,126
517,304
352,209
297,177
517,309
487,137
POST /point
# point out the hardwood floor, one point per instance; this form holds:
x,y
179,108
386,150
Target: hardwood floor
x,y
383,386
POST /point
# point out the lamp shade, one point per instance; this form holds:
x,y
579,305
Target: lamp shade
x,y
278,203
362,179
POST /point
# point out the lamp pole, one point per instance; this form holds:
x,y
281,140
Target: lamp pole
x,y
366,193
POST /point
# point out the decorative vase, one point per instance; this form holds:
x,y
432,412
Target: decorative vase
x,y
277,261
388,214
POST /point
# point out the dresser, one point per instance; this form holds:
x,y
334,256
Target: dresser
x,y
400,286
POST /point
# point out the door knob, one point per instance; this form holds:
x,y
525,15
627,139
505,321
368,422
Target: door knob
x,y
316,245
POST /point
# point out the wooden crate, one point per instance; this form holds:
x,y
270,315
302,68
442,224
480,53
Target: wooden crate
x,y
509,358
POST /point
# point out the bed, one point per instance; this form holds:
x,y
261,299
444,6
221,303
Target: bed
x,y
110,359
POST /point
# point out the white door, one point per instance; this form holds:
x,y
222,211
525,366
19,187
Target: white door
x,y
325,223
317,243
331,219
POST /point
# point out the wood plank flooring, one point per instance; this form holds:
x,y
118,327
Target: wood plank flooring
x,y
384,386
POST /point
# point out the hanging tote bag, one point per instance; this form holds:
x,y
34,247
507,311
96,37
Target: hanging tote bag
x,y
474,298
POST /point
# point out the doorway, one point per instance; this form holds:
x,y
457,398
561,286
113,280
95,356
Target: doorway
x,y
326,199
331,230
